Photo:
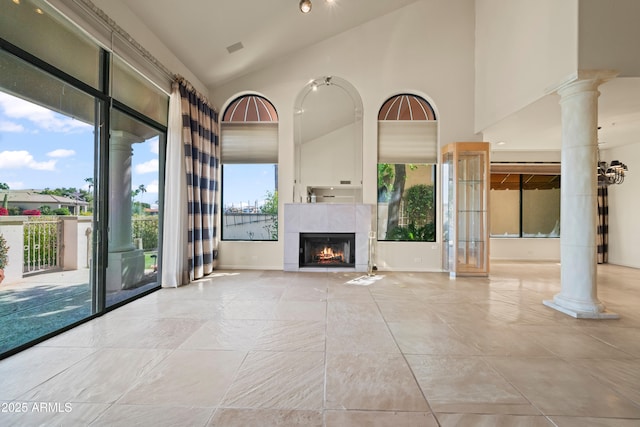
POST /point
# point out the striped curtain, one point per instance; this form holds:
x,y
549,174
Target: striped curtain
x,y
202,154
603,225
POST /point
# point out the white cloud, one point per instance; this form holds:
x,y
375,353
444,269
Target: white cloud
x,y
15,185
23,159
6,126
61,152
152,187
147,167
42,118
153,145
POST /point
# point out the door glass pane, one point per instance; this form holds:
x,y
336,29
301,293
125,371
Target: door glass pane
x,y
134,193
47,146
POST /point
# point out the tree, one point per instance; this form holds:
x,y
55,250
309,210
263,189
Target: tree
x,y
400,175
270,205
4,186
139,206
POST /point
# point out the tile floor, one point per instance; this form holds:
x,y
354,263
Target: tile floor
x,y
254,348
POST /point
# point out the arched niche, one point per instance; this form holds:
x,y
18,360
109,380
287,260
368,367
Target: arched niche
x,y
328,142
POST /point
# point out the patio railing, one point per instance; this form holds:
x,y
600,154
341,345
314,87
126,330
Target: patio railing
x,y
42,237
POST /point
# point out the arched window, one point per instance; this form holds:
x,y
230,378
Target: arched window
x,y
249,156
407,157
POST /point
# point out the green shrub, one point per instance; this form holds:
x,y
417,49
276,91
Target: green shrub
x,y
4,252
146,227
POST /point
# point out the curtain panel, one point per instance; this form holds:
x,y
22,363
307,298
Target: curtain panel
x,y
202,159
603,225
174,228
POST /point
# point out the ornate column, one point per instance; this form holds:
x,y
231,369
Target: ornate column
x,y
579,108
126,263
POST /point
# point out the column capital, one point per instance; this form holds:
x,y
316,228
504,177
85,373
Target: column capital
x,y
584,81
124,137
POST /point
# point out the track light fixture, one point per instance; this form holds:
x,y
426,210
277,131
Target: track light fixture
x,y
305,6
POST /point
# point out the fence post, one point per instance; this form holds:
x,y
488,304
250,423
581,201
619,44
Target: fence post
x,y
12,228
69,250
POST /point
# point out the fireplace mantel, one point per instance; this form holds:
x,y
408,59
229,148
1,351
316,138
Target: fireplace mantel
x,y
326,218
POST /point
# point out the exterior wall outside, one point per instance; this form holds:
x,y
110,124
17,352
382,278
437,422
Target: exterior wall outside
x,y
426,48
523,49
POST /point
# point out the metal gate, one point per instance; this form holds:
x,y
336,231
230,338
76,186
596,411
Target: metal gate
x,y
42,244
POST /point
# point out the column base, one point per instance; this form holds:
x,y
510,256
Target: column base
x,y
597,312
126,270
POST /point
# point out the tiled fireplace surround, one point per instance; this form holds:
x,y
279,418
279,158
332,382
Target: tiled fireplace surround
x,y
326,218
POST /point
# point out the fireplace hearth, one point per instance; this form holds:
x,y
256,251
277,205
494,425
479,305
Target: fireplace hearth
x,y
327,250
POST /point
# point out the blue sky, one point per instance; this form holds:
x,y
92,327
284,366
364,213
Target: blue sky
x,y
40,148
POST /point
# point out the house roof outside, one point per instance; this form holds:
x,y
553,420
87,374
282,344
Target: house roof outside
x,y
16,197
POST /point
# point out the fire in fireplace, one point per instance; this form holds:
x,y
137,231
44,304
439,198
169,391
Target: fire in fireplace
x,y
327,250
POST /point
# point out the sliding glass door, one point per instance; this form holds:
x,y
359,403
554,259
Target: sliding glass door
x,y
48,140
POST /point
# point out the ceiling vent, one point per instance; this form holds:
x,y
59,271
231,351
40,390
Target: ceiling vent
x,y
234,47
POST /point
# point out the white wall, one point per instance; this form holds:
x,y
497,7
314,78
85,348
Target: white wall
x,y
624,205
426,48
523,48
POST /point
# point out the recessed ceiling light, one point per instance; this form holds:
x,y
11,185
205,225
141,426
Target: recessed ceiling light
x,y
501,143
305,6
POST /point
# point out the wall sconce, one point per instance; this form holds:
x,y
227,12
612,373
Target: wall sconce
x,y
305,6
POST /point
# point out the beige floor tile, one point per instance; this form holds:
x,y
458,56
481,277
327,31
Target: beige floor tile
x,y
123,332
305,292
477,420
499,340
429,338
594,422
150,415
341,311
558,388
625,339
621,375
266,418
379,419
458,381
102,377
34,366
225,334
186,378
343,291
575,344
360,337
248,309
301,310
153,333
60,414
372,381
407,311
278,380
289,348
291,335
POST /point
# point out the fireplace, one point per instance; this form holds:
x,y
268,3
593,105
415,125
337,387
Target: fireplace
x,y
327,250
